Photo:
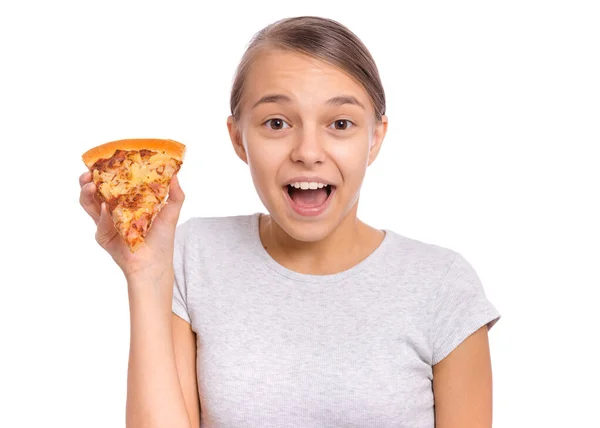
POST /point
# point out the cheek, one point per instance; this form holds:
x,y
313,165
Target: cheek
x,y
263,162
352,158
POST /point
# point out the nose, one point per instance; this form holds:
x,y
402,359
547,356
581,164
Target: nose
x,y
308,148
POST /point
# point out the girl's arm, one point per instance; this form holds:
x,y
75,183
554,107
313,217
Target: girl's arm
x,y
154,393
159,382
184,341
462,385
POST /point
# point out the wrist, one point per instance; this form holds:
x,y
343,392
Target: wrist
x,y
151,293
156,278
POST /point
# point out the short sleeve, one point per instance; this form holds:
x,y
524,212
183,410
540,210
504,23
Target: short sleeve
x,y
179,306
460,308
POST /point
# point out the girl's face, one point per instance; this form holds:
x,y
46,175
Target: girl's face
x,y
308,132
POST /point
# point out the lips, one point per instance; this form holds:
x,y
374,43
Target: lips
x,y
308,199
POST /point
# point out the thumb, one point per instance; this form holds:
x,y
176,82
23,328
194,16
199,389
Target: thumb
x,y
170,212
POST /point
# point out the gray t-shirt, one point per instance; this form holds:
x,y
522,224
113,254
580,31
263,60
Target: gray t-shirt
x,y
277,348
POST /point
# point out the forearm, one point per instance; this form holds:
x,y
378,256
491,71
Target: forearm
x,y
154,396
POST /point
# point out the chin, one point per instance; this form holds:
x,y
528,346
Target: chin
x,y
307,228
303,231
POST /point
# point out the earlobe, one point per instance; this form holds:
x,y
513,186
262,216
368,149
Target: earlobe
x,y
236,138
377,140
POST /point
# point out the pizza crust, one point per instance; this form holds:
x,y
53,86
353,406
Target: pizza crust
x,y
104,151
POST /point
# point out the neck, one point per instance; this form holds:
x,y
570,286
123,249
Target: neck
x,y
344,247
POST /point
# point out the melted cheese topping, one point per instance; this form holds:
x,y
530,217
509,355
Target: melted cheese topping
x,y
135,185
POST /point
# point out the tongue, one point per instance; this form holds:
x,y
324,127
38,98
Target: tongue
x,y
308,198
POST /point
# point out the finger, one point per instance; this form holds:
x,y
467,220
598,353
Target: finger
x,y
85,178
106,231
88,201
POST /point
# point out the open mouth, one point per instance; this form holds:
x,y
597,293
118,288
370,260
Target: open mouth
x,y
309,195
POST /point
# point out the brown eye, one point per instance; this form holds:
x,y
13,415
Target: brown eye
x,y
276,124
342,124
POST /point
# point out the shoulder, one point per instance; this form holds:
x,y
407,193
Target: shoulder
x,y
216,228
414,255
442,268
444,280
212,233
431,269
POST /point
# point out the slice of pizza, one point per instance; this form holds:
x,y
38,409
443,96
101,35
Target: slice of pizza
x,y
133,176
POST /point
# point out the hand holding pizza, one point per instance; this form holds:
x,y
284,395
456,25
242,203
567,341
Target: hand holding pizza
x,y
125,193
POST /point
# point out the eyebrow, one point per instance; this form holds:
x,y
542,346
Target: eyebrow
x,y
284,99
273,98
344,99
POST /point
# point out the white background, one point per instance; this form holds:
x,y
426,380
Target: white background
x,y
494,112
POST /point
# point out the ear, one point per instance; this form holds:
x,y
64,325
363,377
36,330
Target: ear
x,y
378,136
235,135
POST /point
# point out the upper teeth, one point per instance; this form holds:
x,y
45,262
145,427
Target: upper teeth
x,y
308,185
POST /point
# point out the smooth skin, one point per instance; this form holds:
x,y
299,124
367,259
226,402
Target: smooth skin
x,y
293,123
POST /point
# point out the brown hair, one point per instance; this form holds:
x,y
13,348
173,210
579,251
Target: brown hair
x,y
322,39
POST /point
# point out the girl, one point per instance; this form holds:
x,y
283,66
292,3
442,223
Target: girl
x,y
305,317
